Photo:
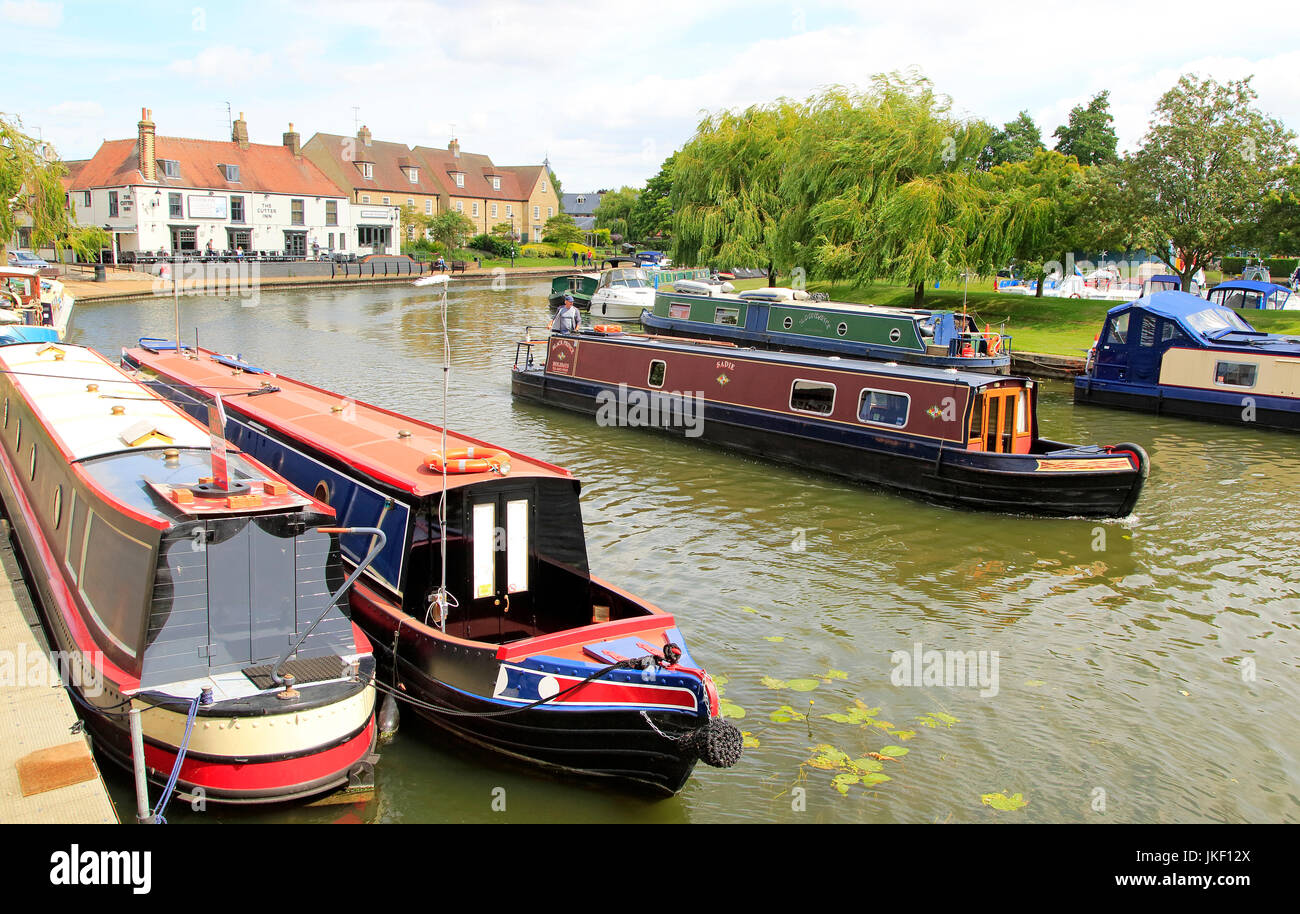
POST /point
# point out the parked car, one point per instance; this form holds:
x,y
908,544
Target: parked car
x,y
25,258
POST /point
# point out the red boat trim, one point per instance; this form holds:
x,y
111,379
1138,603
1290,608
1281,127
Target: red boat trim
x,y
601,631
604,692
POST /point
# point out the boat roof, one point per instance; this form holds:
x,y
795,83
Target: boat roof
x,y
75,391
1170,303
1252,285
19,271
827,362
359,434
1183,307
842,307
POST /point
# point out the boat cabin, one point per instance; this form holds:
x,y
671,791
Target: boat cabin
x,y
1253,294
624,278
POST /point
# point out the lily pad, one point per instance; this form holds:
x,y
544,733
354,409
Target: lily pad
x,y
893,751
748,609
730,709
775,639
902,734
871,778
785,714
835,674
936,718
773,683
803,685
1003,802
749,740
842,782
864,765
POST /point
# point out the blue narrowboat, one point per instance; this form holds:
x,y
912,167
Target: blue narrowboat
x,y
1253,294
1178,354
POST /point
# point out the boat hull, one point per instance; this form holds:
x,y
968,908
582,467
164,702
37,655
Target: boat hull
x,y
926,469
1262,412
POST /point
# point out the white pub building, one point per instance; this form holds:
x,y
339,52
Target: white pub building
x,y
169,194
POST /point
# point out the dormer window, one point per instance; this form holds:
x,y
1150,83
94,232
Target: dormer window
x,y
496,183
460,178
170,168
582,199
367,170
413,174
231,172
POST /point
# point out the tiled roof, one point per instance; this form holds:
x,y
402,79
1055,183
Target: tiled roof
x,y
570,204
387,161
477,169
262,169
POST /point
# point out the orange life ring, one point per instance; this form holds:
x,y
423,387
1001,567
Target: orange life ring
x,y
993,342
607,328
470,460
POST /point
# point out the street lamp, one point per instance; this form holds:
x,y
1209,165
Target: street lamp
x,y
512,239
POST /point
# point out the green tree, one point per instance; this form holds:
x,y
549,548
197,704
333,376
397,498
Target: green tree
x,y
889,187
1090,135
1209,164
1278,229
725,193
1017,141
615,207
450,229
652,214
561,229
1037,202
31,192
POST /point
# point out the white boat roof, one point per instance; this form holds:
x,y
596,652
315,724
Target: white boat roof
x,y
11,270
57,379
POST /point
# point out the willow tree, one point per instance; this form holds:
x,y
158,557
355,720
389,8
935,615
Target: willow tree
x,y
32,195
1037,209
725,198
886,185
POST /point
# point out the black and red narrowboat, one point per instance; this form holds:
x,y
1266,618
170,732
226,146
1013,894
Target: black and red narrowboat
x,y
488,620
175,581
963,439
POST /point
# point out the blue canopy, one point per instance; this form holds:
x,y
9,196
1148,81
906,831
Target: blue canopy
x,y
1169,303
1251,285
1200,318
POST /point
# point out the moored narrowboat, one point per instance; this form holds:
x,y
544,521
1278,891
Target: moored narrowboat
x,y
490,620
1252,294
766,319
1177,354
33,308
580,285
957,438
196,584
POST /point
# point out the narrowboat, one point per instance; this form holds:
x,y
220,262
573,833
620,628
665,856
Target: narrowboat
x,y
188,583
622,294
32,307
963,439
489,620
579,285
1181,355
767,319
1255,295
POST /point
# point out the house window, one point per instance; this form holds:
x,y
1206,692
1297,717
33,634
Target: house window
x,y
388,201
496,183
175,207
582,199
296,216
537,212
550,211
331,213
343,242
367,170
329,239
236,209
413,174
365,198
231,172
170,167
812,397
460,179
460,206
474,209
543,185
494,210
428,207
112,204
87,198
879,407
1235,374
510,210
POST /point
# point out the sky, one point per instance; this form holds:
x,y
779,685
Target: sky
x,y
605,91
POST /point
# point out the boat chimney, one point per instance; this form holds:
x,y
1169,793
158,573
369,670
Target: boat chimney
x,y
148,161
217,430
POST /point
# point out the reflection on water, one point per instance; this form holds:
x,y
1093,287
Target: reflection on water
x,y
1147,667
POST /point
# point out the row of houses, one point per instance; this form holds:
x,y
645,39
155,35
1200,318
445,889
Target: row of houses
x,y
333,193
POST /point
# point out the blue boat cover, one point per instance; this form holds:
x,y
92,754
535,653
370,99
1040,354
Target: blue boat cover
x,y
1252,285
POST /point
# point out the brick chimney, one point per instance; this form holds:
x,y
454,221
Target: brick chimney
x,y
364,135
293,140
239,133
454,148
148,160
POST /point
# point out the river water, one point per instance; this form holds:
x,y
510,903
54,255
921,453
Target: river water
x,y
1146,669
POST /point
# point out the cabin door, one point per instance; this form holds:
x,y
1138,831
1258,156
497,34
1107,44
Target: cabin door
x,y
501,533
1000,421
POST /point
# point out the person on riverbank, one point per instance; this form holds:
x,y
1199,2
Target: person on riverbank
x,y
569,318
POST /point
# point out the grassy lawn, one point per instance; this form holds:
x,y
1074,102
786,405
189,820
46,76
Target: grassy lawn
x,y
1060,326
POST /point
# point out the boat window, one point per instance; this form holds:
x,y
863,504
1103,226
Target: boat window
x,y
1022,412
787,323
842,329
1235,374
485,521
6,412
657,370
1215,320
517,545
1118,333
977,417
812,397
682,312
727,316
58,506
31,469
880,407
1148,330
1171,331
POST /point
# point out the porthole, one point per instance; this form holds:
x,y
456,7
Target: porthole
x,y
788,323
323,492
842,329
58,506
895,335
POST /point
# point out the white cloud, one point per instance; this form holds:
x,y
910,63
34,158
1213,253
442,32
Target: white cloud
x,y
77,110
223,63
32,13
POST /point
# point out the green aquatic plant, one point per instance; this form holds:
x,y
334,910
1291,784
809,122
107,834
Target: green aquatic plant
x,y
1003,802
935,718
849,771
785,714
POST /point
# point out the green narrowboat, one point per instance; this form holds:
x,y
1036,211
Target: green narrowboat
x,y
579,285
781,319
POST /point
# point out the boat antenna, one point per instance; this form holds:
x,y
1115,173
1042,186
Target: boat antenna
x,y
443,600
